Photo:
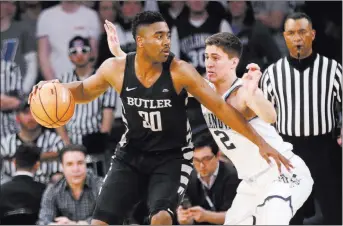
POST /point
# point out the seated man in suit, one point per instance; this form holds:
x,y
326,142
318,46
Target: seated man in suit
x,y
212,186
22,194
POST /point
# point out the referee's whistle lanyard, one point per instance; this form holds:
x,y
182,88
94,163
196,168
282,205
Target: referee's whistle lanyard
x,y
207,198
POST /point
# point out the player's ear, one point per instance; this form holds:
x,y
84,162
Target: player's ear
x,y
139,40
313,34
235,62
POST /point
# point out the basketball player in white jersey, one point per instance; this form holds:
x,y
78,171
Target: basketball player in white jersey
x,y
265,195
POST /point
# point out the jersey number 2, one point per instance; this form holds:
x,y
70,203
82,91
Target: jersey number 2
x,y
151,120
224,138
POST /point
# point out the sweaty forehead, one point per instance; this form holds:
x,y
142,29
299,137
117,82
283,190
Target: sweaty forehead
x,y
153,28
297,24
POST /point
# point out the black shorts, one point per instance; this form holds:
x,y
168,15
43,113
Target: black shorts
x,y
160,178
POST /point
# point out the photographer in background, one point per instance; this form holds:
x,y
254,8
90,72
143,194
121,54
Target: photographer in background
x,y
212,186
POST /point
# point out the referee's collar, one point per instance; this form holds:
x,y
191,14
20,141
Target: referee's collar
x,y
78,77
302,64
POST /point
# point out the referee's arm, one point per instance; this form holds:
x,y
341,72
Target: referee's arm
x,y
11,102
109,103
338,83
338,94
266,86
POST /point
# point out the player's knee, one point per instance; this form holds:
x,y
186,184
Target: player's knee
x,y
162,217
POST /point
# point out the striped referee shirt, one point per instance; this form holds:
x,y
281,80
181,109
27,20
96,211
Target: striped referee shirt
x,y
88,117
48,141
305,93
11,85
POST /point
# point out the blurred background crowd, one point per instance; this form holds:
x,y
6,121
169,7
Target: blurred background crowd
x,y
44,40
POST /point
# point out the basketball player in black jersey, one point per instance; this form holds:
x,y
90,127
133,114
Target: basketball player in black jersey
x,y
152,161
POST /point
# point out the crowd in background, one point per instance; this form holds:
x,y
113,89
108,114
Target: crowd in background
x,y
44,40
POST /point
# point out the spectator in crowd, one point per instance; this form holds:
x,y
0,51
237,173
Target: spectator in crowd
x,y
212,186
18,46
258,43
189,33
30,15
91,123
272,15
56,27
72,199
107,10
22,194
128,9
10,92
31,132
171,10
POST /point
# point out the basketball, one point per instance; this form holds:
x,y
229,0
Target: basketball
x,y
52,106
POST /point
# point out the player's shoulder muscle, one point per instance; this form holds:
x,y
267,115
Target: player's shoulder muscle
x,y
113,71
183,73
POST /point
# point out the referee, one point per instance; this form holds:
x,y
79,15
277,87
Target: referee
x,y
10,91
305,87
32,133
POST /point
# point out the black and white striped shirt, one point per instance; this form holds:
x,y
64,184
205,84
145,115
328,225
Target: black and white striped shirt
x,y
88,117
11,85
305,94
48,141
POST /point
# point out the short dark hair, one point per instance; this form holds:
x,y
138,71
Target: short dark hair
x,y
206,140
72,147
297,16
26,156
79,39
229,43
145,18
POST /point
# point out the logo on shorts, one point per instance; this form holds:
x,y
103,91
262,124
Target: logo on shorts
x,y
292,181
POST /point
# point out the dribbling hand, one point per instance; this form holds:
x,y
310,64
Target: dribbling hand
x,y
112,39
39,86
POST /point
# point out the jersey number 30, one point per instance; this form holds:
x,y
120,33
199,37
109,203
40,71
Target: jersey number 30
x,y
224,138
151,120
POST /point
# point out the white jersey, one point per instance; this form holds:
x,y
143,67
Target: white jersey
x,y
243,153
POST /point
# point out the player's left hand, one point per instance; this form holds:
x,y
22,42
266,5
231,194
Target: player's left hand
x,y
198,213
251,78
268,152
112,39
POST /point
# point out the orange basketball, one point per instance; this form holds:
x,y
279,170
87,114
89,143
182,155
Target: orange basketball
x,y
53,105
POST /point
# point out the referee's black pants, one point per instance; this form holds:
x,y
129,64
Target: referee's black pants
x,y
323,156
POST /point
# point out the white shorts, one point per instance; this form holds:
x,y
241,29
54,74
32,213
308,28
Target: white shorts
x,y
272,198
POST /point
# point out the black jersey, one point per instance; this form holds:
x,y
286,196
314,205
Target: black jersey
x,y
155,117
192,40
